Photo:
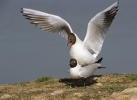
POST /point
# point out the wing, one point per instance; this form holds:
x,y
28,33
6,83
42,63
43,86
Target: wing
x,y
48,22
89,70
86,72
97,28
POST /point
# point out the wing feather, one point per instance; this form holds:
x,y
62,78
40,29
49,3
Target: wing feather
x,y
48,22
98,27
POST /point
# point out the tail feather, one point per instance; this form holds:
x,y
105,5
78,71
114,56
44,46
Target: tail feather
x,y
99,61
101,67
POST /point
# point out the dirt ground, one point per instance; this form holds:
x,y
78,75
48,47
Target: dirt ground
x,y
48,88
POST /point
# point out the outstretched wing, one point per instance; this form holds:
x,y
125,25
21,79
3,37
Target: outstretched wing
x,y
97,28
48,22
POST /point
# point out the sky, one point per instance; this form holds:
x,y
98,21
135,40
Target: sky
x,y
27,52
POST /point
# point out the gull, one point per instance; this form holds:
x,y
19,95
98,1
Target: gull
x,y
78,72
86,51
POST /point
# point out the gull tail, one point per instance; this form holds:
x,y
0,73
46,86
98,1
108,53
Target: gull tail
x,y
99,61
101,67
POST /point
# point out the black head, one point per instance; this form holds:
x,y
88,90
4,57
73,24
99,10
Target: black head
x,y
71,39
73,63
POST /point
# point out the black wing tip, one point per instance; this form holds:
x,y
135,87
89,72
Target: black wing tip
x,y
28,18
21,10
99,61
110,15
101,67
32,22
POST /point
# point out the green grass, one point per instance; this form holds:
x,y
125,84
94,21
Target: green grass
x,y
131,77
112,88
43,79
0,91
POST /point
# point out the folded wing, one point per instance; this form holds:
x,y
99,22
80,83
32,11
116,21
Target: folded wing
x,y
97,28
48,22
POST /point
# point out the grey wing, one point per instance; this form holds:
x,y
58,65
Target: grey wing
x,y
97,28
48,22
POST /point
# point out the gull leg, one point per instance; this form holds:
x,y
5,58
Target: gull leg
x,y
84,80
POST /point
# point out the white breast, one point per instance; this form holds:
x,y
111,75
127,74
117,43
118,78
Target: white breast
x,y
74,72
79,51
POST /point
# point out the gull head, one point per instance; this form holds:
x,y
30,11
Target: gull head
x,y
73,63
71,39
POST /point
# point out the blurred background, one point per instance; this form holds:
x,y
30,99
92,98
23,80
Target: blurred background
x,y
27,52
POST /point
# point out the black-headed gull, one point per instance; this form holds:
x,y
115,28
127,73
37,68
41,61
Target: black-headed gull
x,y
85,52
77,72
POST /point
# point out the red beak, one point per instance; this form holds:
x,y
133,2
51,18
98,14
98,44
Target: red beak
x,y
69,43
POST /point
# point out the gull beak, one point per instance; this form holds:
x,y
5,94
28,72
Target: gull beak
x,y
69,43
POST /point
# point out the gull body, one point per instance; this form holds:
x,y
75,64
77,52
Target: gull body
x,y
85,52
77,72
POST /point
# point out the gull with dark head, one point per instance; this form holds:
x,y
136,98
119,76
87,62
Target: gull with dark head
x,y
77,72
85,52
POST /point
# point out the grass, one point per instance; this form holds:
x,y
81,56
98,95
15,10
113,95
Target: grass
x,y
43,79
0,91
23,83
48,88
131,77
113,88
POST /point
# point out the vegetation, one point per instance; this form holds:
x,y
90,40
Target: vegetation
x,y
48,88
43,79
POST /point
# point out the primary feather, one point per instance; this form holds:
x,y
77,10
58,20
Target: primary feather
x,y
98,27
48,22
